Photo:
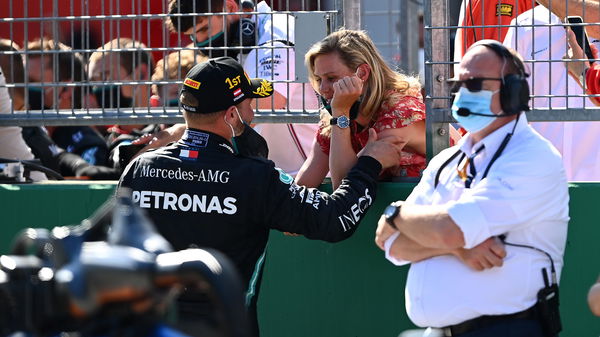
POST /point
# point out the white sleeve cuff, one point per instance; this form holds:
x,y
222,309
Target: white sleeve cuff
x,y
388,245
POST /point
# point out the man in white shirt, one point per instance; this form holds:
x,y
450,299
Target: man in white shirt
x,y
576,141
502,180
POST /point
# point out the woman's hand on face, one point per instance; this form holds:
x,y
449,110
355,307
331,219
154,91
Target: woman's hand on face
x,y
346,91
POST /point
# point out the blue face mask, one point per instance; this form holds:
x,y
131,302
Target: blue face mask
x,y
478,102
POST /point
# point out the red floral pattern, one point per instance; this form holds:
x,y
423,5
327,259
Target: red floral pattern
x,y
408,110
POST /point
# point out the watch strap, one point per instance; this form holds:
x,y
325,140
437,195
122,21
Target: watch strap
x,y
390,220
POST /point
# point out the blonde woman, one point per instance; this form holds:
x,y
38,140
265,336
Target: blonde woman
x,y
360,91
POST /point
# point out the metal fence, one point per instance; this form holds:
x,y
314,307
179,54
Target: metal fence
x,y
96,62
83,26
539,39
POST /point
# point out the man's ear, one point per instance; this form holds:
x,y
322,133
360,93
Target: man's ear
x,y
231,6
231,114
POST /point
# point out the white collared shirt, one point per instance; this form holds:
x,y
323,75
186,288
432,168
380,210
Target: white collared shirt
x,y
524,196
576,141
11,138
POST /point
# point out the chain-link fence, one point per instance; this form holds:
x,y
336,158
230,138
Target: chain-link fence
x,y
79,62
538,34
104,62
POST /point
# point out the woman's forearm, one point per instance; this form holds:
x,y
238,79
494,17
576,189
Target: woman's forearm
x,y
341,155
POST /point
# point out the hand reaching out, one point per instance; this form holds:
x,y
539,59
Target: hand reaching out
x,y
386,150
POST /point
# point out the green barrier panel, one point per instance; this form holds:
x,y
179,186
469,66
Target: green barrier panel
x,y
313,288
47,206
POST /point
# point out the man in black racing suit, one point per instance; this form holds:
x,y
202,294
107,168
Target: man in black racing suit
x,y
200,192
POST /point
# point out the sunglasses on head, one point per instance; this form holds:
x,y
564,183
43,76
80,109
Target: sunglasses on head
x,y
473,84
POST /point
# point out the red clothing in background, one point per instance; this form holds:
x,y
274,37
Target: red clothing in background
x,y
486,13
592,80
408,110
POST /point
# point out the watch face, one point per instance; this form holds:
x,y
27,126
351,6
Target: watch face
x,y
390,211
343,122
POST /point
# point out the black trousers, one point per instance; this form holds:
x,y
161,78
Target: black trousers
x,y
509,328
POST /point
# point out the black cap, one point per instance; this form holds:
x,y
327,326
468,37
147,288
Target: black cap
x,y
220,83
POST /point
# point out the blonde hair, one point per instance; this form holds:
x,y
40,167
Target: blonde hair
x,y
177,65
354,47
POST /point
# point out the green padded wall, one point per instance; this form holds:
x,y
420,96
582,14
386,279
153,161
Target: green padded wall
x,y
318,289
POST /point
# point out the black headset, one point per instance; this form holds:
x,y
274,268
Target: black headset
x,y
514,90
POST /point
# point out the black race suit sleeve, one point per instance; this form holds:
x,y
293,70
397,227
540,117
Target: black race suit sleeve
x,y
317,215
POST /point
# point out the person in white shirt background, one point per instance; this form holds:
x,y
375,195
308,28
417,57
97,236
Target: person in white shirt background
x,y
576,141
502,181
288,143
11,138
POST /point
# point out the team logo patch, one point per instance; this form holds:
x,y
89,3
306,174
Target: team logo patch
x,y
191,83
237,94
188,154
504,10
284,177
265,89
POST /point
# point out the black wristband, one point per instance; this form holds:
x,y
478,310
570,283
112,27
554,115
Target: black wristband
x,y
391,223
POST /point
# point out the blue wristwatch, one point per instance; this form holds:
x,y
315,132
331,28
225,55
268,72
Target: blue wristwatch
x,y
391,212
342,122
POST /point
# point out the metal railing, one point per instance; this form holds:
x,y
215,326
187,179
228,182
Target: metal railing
x,y
439,30
82,26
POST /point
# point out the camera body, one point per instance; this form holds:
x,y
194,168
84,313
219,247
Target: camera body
x,y
29,298
119,282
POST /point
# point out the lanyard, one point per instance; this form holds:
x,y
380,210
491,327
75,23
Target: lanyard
x,y
494,157
462,173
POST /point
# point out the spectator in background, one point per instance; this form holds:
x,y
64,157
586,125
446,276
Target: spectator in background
x,y
72,151
288,144
576,141
360,92
11,138
172,68
486,13
106,65
587,76
589,10
51,71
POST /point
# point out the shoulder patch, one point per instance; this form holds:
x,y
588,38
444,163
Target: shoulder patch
x,y
284,177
